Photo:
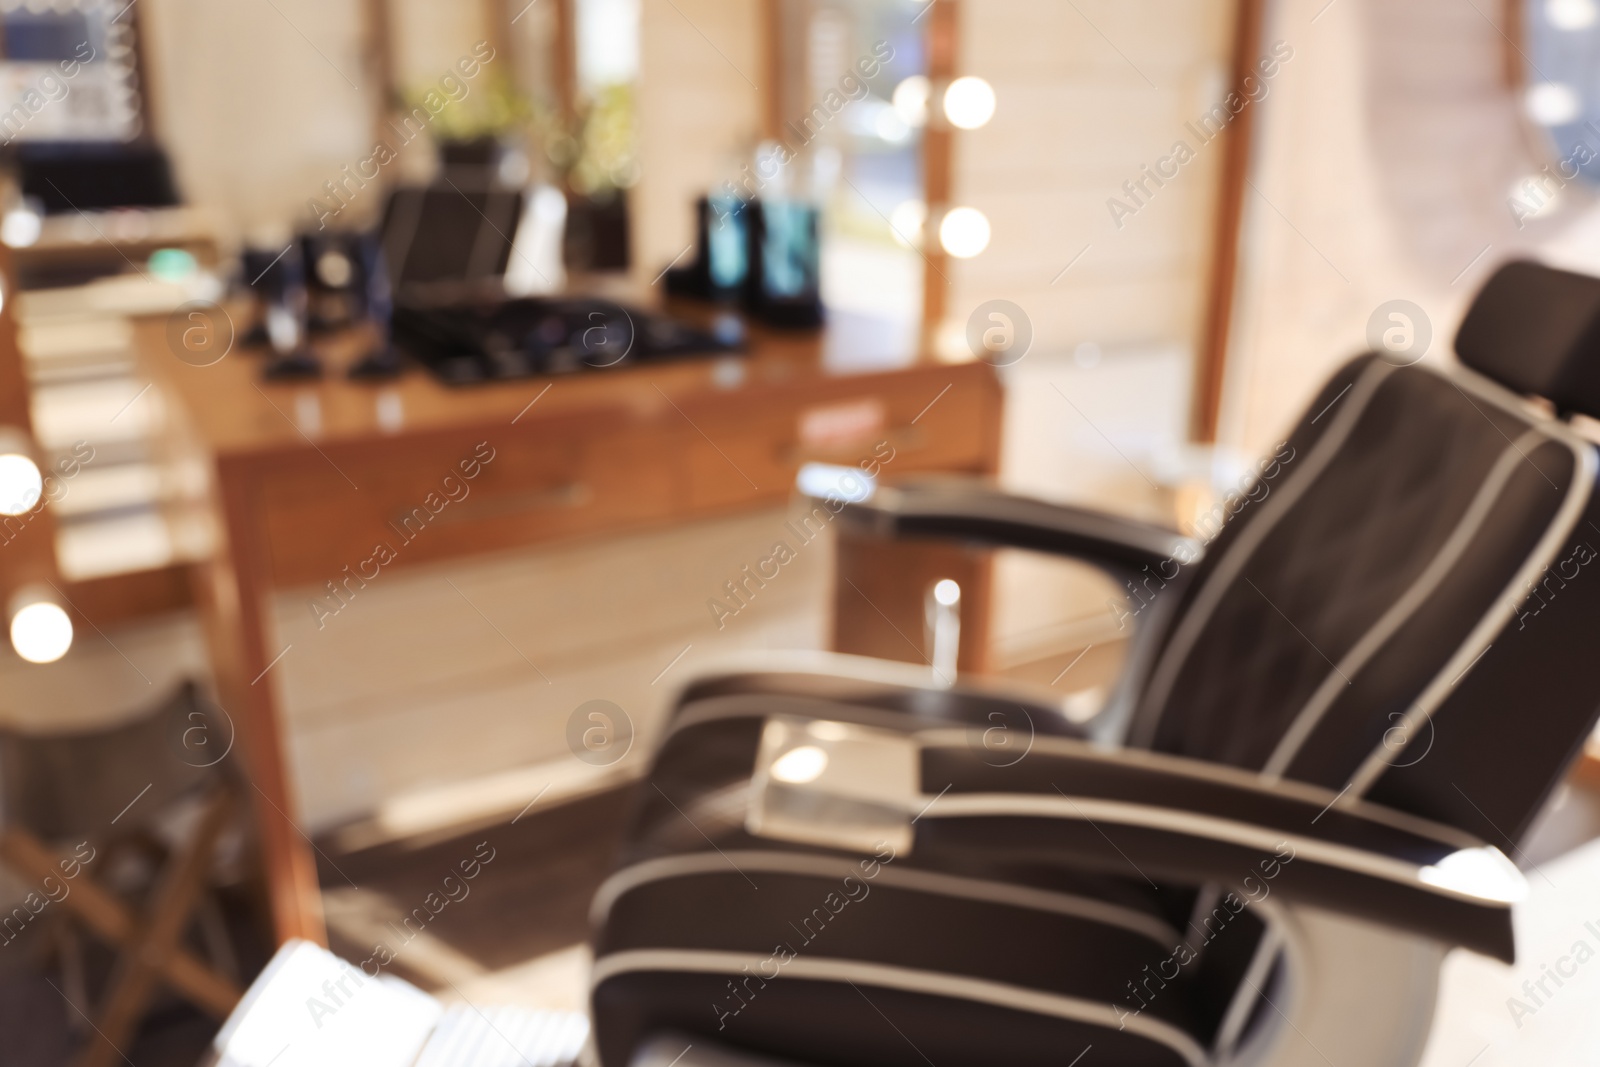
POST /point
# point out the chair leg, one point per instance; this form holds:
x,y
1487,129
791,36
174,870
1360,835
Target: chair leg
x,y
74,983
134,978
110,919
214,932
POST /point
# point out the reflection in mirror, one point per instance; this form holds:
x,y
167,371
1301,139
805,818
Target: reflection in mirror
x,y
852,103
1561,98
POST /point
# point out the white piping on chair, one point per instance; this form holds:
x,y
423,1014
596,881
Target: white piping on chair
x,y
1224,774
657,870
886,976
1220,580
1422,587
1209,827
1505,605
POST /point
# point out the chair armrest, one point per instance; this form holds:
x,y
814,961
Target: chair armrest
x,y
1142,815
1152,815
972,511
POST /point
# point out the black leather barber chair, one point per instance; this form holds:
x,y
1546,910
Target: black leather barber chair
x,y
1337,721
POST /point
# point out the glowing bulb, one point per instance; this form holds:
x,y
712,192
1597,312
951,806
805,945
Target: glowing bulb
x,y
20,484
906,221
964,232
1571,14
910,100
1552,104
889,126
1533,199
20,228
947,592
800,765
41,632
969,102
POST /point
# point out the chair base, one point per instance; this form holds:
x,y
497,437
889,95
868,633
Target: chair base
x,y
1350,992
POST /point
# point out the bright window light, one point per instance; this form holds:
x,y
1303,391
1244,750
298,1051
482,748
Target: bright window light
x,y
969,102
964,232
41,632
20,484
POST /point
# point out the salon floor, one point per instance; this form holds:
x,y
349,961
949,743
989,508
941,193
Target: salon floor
x,y
513,932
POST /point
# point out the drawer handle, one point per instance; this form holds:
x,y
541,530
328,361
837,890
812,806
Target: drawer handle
x,y
903,439
570,495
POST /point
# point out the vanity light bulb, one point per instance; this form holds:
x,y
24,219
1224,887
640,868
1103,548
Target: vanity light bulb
x,y
1552,104
910,100
969,102
41,632
906,222
1571,15
964,232
20,228
20,483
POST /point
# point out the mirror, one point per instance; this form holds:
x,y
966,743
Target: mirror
x,y
1561,98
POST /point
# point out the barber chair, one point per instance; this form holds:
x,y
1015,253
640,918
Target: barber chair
x,y
1336,722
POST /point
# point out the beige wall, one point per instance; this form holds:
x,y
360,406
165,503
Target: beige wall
x,y
1384,166
259,104
700,66
1074,121
255,115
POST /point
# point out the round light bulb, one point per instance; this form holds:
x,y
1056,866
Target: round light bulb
x,y
1552,104
1533,199
20,228
947,592
889,126
906,221
910,100
41,632
1571,14
964,232
800,765
969,102
20,483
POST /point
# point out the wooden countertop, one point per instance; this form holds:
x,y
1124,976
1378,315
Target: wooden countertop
x,y
234,412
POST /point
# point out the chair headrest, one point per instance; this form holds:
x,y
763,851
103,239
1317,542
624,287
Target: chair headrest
x,y
1536,330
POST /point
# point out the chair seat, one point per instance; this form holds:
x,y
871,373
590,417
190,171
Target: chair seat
x,y
895,959
985,961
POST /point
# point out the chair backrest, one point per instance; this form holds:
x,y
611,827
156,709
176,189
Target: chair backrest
x,y
97,783
1403,609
